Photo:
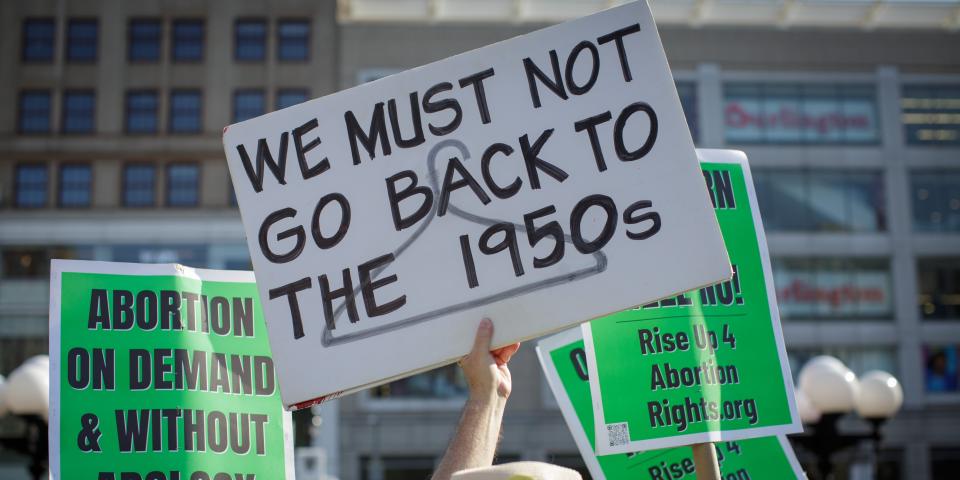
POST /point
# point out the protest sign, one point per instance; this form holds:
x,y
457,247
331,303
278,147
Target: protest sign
x,y
162,372
707,365
563,359
527,181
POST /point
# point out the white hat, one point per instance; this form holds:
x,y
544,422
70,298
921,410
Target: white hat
x,y
518,471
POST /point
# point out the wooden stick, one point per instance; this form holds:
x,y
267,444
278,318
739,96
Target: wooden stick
x,y
705,461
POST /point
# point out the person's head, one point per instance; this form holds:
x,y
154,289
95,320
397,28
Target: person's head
x,y
518,471
937,363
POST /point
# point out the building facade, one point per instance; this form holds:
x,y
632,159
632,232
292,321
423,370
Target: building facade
x,y
850,115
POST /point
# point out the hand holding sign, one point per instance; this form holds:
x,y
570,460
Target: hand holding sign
x,y
486,370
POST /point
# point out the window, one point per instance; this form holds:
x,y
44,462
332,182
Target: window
x,y
185,111
38,38
931,114
821,200
139,185
939,285
187,40
142,111
82,40
34,114
34,262
25,263
833,288
944,463
936,201
250,40
396,468
78,111
183,184
75,185
187,254
247,104
940,368
688,100
815,114
293,37
144,40
288,97
30,186
442,383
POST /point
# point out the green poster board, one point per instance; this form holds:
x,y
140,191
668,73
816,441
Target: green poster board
x,y
564,364
705,366
162,372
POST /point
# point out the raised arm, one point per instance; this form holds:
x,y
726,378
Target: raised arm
x,y
488,378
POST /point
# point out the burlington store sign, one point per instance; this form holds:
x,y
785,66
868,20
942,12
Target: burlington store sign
x,y
861,294
848,120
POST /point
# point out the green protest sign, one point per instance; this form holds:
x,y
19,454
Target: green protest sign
x,y
704,366
162,372
563,359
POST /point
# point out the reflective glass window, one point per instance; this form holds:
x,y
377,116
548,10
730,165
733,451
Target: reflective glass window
x,y
34,115
250,40
792,200
144,40
183,185
931,115
139,185
30,185
187,40
185,111
936,201
78,111
82,40
141,111
75,185
38,39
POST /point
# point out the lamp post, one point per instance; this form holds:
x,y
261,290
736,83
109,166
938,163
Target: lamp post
x,y
827,391
25,395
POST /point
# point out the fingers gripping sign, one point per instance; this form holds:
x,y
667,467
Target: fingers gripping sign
x,y
486,370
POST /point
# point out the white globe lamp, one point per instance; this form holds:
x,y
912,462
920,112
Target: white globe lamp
x,y
880,396
831,387
27,390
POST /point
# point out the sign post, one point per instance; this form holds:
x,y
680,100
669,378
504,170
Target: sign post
x,y
563,359
705,366
162,372
527,181
705,461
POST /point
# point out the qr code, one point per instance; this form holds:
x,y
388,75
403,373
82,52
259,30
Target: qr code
x,y
619,434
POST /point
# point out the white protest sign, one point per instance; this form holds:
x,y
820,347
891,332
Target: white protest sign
x,y
541,181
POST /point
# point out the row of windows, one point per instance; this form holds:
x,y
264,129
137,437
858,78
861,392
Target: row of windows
x,y
39,36
75,185
77,113
145,39
790,200
142,109
812,114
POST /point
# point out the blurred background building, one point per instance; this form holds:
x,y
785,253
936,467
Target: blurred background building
x,y
849,111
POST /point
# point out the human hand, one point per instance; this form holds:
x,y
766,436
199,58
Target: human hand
x,y
486,371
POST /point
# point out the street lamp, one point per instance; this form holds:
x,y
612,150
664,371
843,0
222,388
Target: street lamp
x,y
827,391
26,395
